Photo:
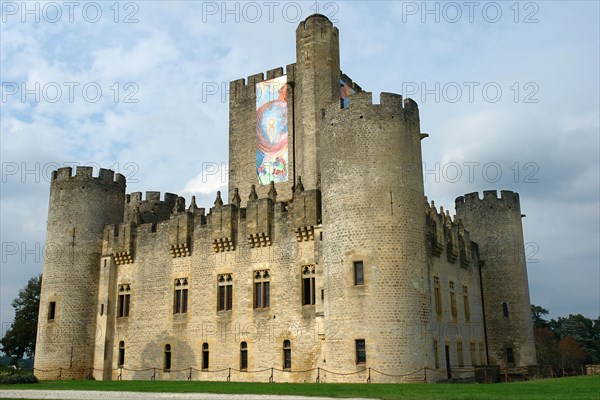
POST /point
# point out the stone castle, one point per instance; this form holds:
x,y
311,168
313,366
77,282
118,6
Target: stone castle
x,y
328,263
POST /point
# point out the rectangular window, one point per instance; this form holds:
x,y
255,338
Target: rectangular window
x,y
466,304
221,302
258,295
453,300
225,292
243,356
459,354
180,297
121,354
510,357
361,351
308,285
123,305
51,310
436,354
359,276
473,353
167,366
229,302
437,295
262,289
267,294
123,301
184,301
205,355
287,355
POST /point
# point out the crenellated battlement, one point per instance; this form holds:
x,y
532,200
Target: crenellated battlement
x,y
247,87
508,199
447,233
151,196
151,209
83,173
362,106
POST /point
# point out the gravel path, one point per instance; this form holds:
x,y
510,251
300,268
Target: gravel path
x,y
87,395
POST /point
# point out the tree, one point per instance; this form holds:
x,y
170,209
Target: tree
x,y
546,347
536,315
571,352
583,330
19,339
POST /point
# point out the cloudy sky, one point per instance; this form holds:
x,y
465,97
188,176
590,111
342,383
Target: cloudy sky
x,y
508,92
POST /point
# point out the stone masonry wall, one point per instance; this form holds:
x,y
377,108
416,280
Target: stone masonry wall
x,y
373,212
495,224
360,201
80,207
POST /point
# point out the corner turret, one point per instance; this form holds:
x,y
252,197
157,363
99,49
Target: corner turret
x,y
80,206
495,224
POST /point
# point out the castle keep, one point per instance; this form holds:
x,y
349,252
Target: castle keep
x,y
327,263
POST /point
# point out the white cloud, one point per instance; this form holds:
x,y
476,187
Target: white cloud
x,y
167,140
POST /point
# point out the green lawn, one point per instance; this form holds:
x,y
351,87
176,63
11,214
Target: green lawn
x,y
582,387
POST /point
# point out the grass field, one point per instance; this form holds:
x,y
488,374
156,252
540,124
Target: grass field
x,y
574,388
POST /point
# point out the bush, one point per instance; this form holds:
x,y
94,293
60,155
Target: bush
x,y
10,376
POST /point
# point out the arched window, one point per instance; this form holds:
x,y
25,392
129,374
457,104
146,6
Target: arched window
x,y
167,357
243,356
505,309
262,289
287,355
121,354
205,356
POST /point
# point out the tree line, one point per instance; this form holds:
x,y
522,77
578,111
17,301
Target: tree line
x,y
565,342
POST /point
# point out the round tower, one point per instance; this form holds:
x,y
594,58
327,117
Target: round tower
x,y
316,86
495,225
80,206
374,237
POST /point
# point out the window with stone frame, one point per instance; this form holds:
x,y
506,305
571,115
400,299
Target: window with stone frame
x,y
437,295
466,303
359,273
243,356
180,296
262,289
361,351
224,292
205,355
510,357
51,311
167,364
124,301
287,355
308,285
453,307
121,360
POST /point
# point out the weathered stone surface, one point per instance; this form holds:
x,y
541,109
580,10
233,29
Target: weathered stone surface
x,y
354,199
